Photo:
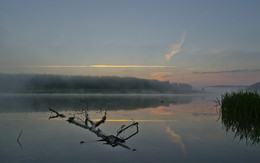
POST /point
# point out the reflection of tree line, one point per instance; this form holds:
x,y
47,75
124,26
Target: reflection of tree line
x,y
29,103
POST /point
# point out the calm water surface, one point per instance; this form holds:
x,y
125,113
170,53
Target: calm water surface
x,y
172,128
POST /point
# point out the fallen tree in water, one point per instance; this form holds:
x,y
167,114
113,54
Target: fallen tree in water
x,y
113,140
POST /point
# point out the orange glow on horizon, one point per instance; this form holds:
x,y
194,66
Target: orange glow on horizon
x,y
160,75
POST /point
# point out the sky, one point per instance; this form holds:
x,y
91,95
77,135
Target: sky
x,y
200,42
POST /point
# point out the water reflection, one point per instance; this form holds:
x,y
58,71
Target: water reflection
x,y
61,102
248,130
175,138
185,131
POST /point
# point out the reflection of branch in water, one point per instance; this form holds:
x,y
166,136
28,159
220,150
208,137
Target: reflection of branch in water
x,y
123,128
19,138
92,127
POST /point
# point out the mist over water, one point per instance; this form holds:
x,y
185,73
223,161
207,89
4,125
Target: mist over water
x,y
176,127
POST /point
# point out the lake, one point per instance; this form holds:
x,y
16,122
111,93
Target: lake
x,y
172,128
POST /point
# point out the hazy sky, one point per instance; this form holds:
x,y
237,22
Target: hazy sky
x,y
196,42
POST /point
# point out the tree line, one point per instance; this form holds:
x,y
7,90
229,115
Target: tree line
x,y
59,83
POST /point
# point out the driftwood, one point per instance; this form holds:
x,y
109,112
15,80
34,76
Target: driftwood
x,y
113,140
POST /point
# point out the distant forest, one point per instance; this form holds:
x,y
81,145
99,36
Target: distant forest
x,y
43,83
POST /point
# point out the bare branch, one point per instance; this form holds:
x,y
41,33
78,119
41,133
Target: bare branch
x,y
102,120
57,114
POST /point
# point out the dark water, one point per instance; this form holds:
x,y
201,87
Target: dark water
x,y
172,128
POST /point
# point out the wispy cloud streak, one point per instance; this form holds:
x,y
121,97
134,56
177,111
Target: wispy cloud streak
x,y
227,71
90,66
176,48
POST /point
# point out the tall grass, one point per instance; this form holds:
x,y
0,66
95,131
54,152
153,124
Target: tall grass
x,y
241,114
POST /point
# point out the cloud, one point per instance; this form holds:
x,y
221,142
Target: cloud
x,y
175,138
90,66
217,51
176,48
194,68
226,71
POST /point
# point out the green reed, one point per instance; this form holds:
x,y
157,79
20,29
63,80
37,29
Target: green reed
x,y
241,114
